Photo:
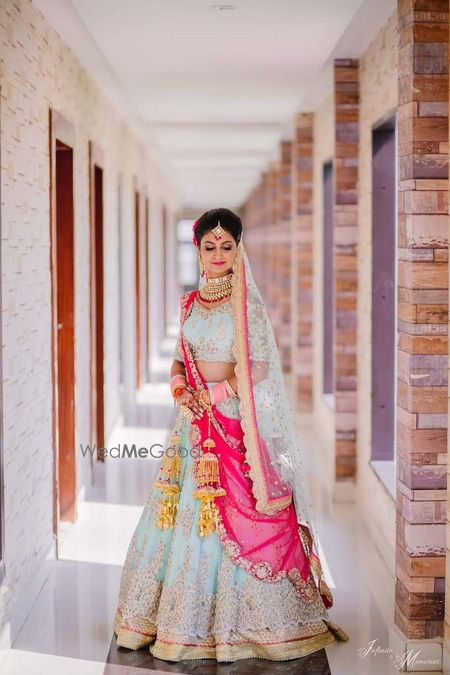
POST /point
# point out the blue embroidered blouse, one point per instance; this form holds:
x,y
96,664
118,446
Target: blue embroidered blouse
x,y
209,333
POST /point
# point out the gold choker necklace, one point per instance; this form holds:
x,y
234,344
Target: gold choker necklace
x,y
217,288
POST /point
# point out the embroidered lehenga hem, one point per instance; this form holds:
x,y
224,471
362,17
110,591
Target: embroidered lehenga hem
x,y
184,597
279,645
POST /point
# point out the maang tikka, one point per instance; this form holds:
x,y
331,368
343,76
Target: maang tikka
x,y
218,230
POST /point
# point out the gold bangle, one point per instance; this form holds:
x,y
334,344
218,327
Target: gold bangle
x,y
204,403
200,399
229,388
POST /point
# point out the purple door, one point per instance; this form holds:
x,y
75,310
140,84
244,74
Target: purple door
x,y
327,278
383,290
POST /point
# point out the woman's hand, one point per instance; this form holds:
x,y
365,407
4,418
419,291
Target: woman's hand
x,y
206,397
191,402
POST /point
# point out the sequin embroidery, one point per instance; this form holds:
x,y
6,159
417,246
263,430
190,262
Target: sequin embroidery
x,y
209,332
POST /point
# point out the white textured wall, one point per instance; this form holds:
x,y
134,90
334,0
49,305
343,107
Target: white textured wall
x,y
323,151
38,71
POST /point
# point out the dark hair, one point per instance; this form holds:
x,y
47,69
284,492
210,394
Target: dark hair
x,y
228,220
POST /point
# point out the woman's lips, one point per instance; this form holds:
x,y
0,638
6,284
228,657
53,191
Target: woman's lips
x,y
218,263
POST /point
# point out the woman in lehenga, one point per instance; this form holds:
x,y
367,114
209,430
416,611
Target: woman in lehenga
x,y
223,562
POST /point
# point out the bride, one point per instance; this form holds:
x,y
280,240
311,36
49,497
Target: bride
x,y
223,562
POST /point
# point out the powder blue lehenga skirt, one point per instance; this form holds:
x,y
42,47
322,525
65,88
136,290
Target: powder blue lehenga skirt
x,y
185,598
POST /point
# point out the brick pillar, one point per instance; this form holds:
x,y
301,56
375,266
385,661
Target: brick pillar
x,y
422,318
256,226
249,215
271,290
302,221
284,253
345,223
264,249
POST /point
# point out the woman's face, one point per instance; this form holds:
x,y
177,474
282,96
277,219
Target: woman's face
x,y
217,255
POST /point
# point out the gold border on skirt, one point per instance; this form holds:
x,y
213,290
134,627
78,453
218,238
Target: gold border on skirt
x,y
269,645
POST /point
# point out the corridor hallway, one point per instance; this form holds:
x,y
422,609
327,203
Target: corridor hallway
x,y
324,127
69,628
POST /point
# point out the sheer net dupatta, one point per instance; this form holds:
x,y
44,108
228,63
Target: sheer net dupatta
x,y
270,437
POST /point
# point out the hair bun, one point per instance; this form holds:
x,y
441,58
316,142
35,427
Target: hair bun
x,y
229,220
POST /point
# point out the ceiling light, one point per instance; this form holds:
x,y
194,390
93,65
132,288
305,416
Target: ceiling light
x,y
224,7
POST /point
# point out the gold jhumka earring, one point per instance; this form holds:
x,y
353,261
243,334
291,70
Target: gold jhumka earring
x,y
200,266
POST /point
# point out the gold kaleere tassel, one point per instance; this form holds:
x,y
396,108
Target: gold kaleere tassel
x,y
208,468
171,464
208,516
168,506
207,479
169,471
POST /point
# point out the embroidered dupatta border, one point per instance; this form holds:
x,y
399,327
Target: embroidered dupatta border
x,y
249,423
186,304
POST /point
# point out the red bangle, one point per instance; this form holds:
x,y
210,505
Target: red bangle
x,y
178,391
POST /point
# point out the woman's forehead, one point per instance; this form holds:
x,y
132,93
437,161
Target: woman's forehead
x,y
211,239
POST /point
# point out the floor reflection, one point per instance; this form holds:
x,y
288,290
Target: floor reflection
x,y
141,659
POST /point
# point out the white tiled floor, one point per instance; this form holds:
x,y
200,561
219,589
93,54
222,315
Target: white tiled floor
x,y
70,626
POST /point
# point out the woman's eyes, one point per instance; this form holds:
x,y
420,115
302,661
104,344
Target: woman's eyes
x,y
225,249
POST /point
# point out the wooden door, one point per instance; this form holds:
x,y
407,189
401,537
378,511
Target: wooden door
x,y
61,143
141,285
147,287
327,281
165,251
384,286
137,269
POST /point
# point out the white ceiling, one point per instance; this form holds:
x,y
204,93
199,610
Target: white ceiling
x,y
213,91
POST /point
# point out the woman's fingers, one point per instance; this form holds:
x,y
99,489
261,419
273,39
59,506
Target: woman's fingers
x,y
196,408
189,400
195,405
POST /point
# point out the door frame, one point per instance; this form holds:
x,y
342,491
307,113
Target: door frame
x,y
96,301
